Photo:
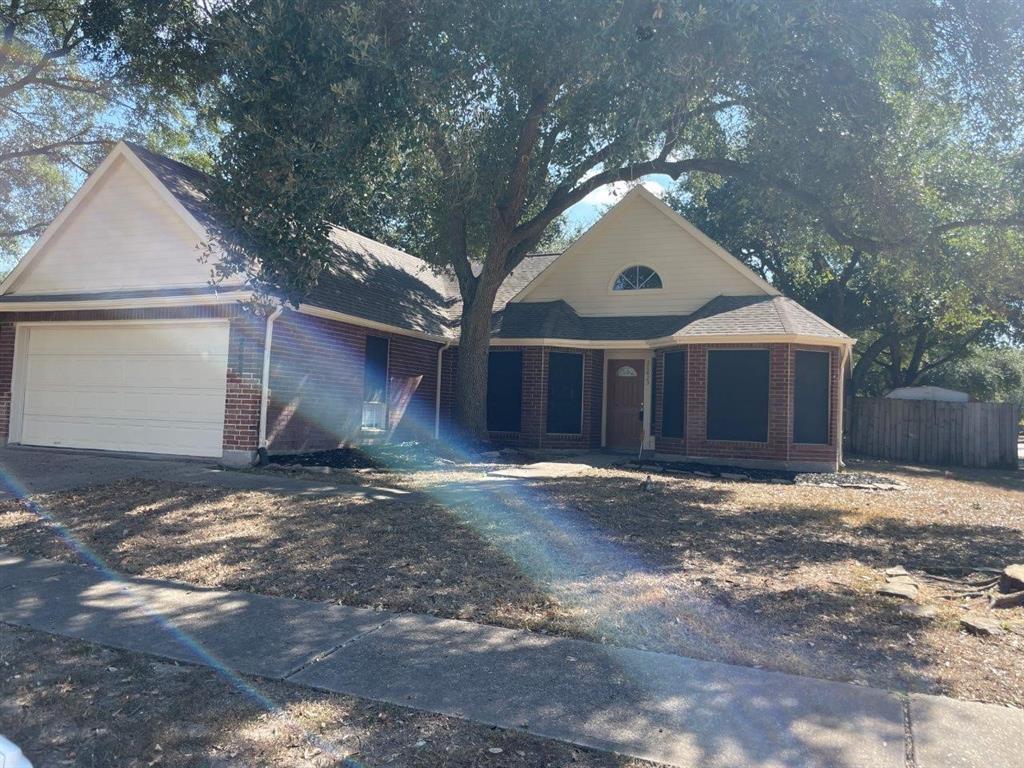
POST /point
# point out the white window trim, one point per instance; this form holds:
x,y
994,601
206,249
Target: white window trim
x,y
633,291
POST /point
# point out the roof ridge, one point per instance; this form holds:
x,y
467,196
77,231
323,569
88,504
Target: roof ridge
x,y
782,310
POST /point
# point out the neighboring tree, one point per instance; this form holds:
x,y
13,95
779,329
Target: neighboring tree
x,y
63,101
464,129
932,296
995,374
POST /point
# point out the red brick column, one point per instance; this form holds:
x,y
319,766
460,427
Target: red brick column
x,y
531,430
244,385
7,331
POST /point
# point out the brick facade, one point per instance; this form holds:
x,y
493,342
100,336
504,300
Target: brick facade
x,y
779,449
533,432
316,376
316,385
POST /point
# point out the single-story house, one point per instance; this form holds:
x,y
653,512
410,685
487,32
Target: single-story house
x,y
643,332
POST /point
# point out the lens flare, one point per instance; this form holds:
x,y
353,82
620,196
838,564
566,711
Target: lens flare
x,y
21,493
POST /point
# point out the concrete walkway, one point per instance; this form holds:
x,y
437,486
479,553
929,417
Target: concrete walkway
x,y
656,706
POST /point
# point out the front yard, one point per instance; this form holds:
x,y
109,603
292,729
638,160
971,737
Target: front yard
x,y
780,576
72,703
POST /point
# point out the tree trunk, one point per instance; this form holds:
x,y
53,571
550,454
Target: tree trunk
x,y
470,408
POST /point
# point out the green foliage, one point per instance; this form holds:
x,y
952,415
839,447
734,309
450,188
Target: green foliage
x,y
63,100
941,273
995,374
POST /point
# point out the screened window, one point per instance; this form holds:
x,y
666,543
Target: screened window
x,y
504,390
565,393
673,395
375,383
738,395
810,398
636,278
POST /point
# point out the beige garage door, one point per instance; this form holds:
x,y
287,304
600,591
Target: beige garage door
x,y
151,387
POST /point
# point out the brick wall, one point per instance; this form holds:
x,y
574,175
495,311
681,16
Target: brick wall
x,y
244,383
779,446
316,384
533,423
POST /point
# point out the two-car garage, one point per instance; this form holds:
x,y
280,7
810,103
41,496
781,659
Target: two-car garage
x,y
154,386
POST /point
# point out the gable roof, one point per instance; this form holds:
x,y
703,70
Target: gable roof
x,y
372,281
642,193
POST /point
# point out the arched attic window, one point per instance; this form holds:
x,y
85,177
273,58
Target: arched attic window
x,y
636,278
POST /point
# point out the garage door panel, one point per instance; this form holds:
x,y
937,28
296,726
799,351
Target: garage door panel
x,y
177,371
140,371
172,339
124,435
153,388
190,407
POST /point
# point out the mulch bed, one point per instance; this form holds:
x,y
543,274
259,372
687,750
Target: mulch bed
x,y
843,479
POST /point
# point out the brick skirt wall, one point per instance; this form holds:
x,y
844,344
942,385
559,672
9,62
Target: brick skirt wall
x,y
316,385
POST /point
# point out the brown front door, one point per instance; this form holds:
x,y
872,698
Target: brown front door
x,y
624,427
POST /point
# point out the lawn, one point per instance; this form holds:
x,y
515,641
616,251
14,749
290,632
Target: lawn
x,y
779,576
72,703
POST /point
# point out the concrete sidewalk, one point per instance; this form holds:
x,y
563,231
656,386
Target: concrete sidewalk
x,y
655,706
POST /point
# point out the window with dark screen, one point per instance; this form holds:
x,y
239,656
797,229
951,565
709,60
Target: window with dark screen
x,y
738,395
810,397
673,394
504,390
565,393
375,383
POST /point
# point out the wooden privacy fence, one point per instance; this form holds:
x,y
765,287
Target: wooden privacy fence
x,y
930,432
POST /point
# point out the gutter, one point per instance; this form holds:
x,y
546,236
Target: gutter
x,y
437,393
265,382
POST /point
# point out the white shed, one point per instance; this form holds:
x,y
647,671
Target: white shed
x,y
929,393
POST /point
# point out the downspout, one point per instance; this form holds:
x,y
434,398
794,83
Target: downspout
x,y
437,393
265,383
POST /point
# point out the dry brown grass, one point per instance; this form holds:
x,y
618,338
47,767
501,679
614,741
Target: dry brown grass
x,y
760,574
69,703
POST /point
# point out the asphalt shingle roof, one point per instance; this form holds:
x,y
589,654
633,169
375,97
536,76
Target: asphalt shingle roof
x,y
376,282
722,316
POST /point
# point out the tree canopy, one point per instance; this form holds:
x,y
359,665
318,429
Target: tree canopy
x,y
464,129
935,291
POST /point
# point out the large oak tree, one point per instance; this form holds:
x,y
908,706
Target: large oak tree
x,y
464,129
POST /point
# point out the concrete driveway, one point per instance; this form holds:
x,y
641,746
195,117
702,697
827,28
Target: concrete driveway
x,y
26,471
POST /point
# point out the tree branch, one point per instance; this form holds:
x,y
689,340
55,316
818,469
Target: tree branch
x,y
510,204
32,229
51,149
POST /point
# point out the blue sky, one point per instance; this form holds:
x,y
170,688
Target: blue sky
x,y
588,210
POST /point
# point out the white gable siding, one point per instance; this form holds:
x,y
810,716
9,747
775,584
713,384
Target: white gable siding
x,y
123,235
637,232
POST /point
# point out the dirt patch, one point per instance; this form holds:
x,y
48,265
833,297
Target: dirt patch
x,y
780,576
76,704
